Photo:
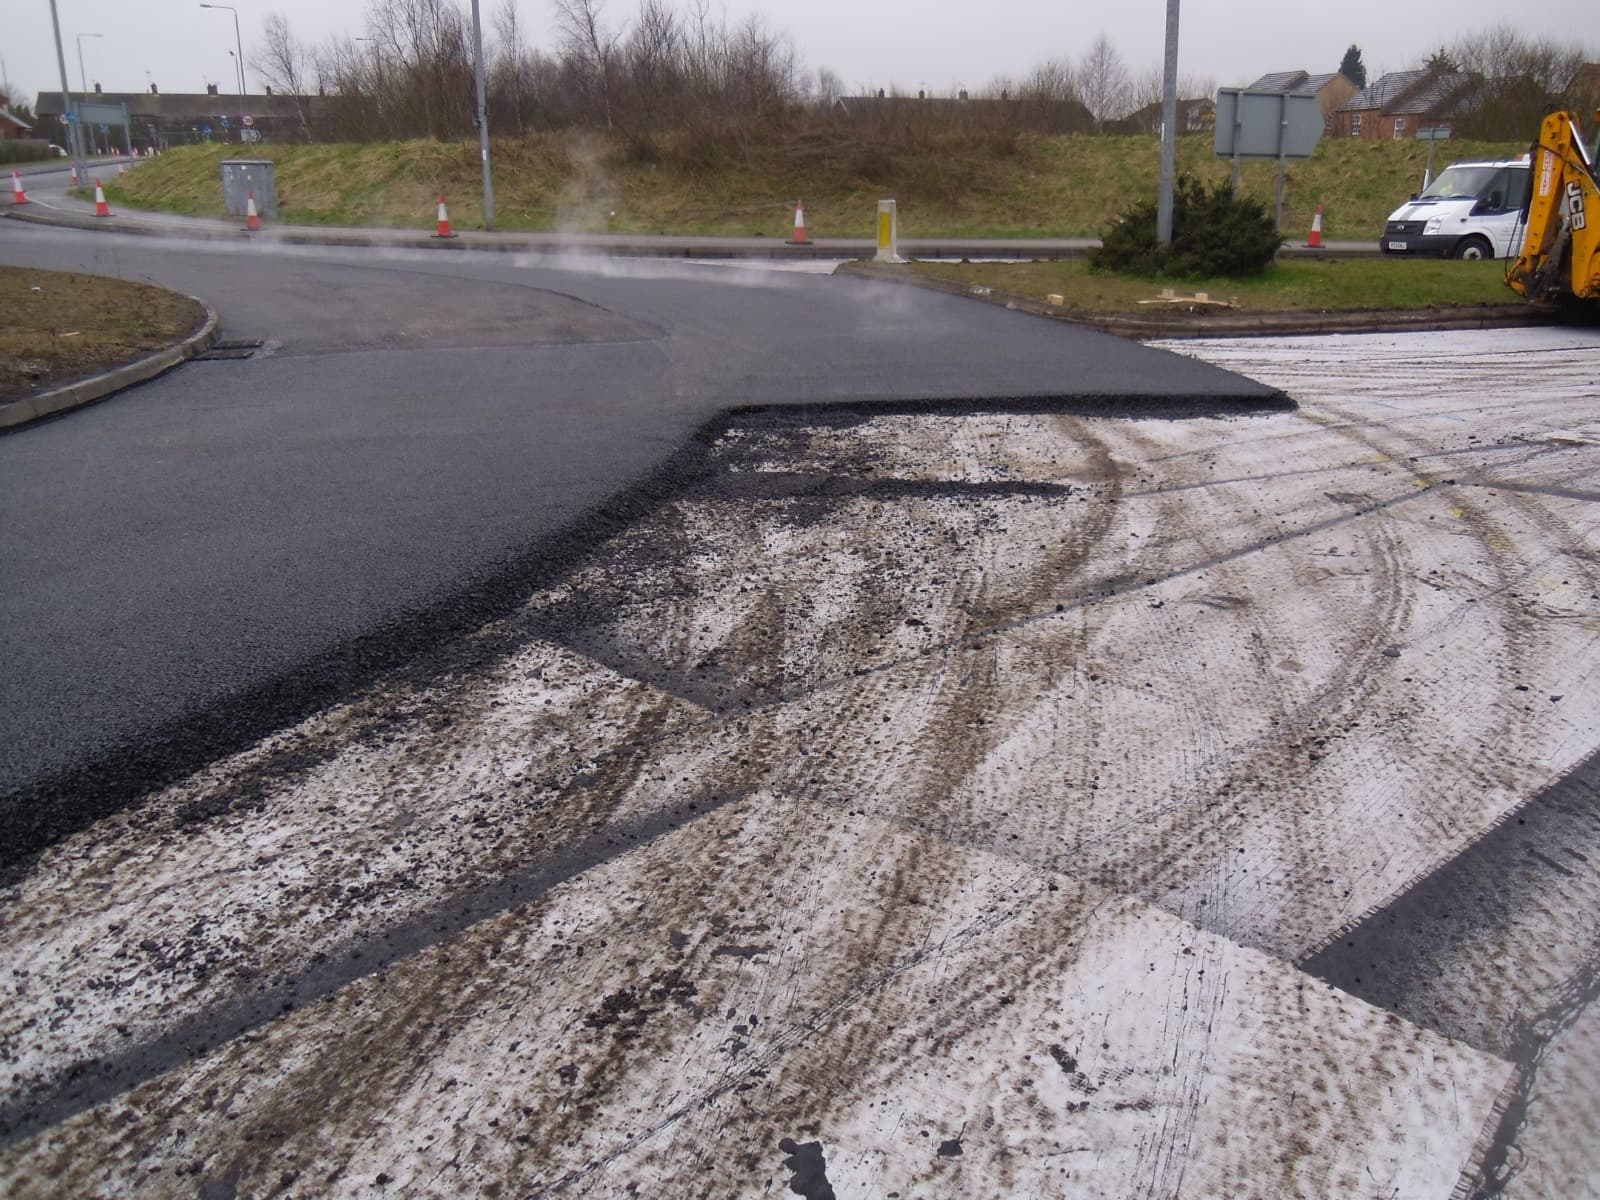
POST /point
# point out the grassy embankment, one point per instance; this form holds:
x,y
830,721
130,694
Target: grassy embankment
x,y
59,326
947,185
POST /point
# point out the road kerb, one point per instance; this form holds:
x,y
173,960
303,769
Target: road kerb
x,y
97,387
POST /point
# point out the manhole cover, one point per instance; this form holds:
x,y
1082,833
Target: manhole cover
x,y
236,349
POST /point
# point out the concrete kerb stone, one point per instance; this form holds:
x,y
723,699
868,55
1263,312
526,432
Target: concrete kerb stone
x,y
97,387
1213,324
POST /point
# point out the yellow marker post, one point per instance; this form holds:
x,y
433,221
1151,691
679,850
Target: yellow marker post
x,y
888,235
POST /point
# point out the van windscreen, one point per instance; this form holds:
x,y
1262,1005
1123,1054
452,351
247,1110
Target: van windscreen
x,y
1456,182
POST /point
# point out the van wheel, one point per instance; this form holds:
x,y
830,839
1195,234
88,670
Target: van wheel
x,y
1473,248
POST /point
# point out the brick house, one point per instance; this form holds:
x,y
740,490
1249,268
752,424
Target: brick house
x,y
1401,102
1331,90
12,127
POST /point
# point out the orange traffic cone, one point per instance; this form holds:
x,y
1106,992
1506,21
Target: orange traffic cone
x,y
252,217
74,176
121,169
444,230
1316,230
101,208
18,196
799,238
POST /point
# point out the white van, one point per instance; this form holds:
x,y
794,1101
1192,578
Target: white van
x,y
1472,210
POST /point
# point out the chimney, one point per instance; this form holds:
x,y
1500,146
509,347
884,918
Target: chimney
x,y
97,87
269,89
153,91
211,89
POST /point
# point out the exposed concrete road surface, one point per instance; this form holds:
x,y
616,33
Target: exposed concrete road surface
x,y
968,803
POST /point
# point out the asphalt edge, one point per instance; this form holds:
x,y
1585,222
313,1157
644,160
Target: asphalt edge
x,y
16,413
454,632
1497,316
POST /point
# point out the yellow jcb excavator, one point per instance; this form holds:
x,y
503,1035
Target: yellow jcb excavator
x,y
1560,257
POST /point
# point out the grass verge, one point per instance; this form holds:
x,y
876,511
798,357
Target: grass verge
x,y
59,326
1291,285
948,183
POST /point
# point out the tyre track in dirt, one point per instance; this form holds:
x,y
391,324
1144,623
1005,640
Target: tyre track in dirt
x,y
907,735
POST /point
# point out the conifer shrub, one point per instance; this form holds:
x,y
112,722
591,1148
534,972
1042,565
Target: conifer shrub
x,y
1214,233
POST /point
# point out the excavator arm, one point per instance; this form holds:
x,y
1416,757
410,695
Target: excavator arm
x,y
1561,251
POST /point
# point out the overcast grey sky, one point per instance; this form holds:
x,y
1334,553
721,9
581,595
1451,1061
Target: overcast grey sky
x,y
938,44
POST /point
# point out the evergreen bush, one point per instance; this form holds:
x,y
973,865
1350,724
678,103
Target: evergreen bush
x,y
1214,233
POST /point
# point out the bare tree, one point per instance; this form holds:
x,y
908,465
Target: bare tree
x,y
510,71
283,62
1103,81
653,64
588,44
826,89
1054,80
1513,79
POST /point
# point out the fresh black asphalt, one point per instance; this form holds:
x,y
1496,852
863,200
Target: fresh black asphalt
x,y
198,560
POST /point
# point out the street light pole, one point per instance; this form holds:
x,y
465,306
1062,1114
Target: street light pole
x,y
238,41
1169,128
483,119
66,96
83,78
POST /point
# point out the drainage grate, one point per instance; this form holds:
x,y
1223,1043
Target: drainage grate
x,y
238,349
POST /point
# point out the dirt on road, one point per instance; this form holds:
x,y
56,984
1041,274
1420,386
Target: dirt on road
x,y
923,803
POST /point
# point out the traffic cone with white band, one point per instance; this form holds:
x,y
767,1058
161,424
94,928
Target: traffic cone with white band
x,y
18,196
74,176
1316,230
252,216
444,230
799,238
101,208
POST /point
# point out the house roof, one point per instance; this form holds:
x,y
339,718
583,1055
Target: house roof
x,y
1432,93
7,115
1384,91
1295,83
1279,81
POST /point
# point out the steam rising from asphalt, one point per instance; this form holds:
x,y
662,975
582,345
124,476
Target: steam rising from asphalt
x,y
572,257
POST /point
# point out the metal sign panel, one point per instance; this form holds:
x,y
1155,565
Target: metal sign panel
x,y
1433,133
103,114
1266,124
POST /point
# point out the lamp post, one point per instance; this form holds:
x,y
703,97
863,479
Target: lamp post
x,y
483,118
83,78
66,95
1169,128
239,60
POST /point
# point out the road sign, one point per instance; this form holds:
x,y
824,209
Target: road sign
x,y
1266,124
247,120
1433,133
